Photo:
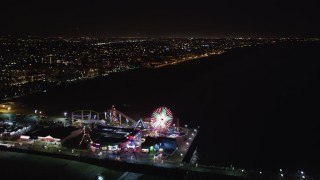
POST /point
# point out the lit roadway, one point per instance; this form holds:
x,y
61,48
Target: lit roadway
x,y
176,61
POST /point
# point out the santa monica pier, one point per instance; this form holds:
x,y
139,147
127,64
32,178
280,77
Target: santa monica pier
x,y
157,144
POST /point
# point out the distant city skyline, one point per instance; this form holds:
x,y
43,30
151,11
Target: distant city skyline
x,y
161,18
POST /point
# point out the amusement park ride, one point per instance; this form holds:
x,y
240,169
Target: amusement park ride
x,y
161,119
112,117
86,136
159,125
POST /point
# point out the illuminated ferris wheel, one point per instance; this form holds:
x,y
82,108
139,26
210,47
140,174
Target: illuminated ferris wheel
x,y
161,118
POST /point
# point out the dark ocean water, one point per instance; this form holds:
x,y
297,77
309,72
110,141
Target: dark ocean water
x,y
257,107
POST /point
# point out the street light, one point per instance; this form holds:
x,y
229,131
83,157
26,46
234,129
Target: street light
x,y
100,177
65,114
35,111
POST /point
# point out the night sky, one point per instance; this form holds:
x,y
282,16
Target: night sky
x,y
161,18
